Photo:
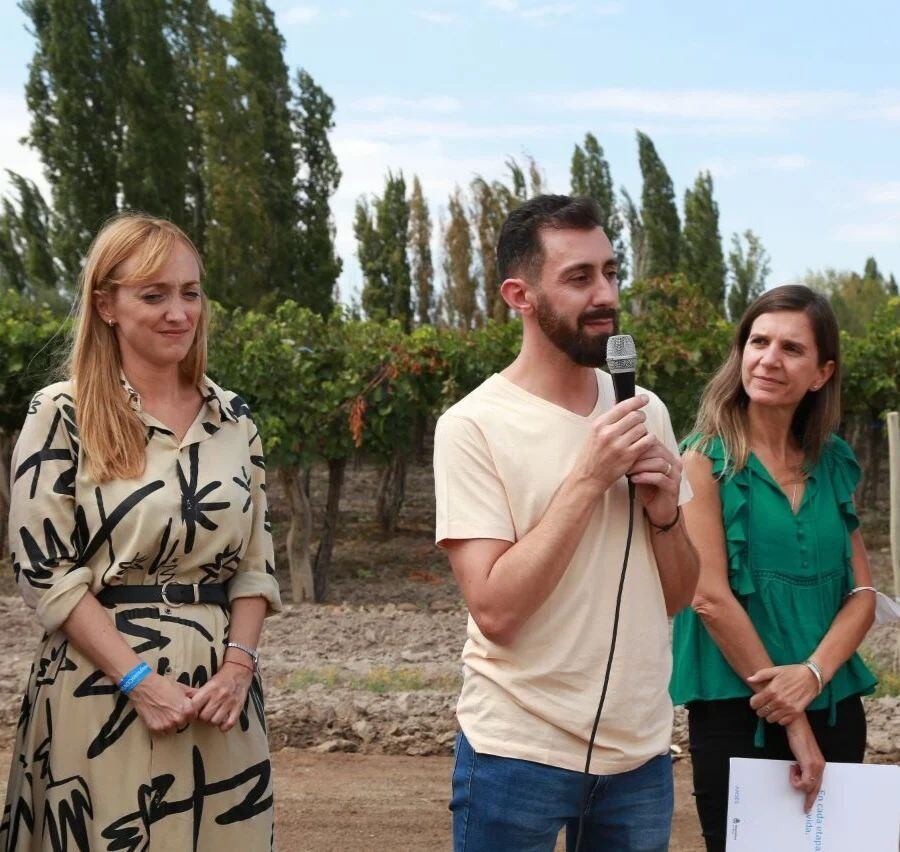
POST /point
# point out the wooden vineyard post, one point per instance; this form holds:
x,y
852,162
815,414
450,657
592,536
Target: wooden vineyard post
x,y
893,428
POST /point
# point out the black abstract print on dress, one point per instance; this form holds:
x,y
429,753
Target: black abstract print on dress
x,y
86,773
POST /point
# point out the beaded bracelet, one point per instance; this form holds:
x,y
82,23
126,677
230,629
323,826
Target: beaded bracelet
x,y
134,677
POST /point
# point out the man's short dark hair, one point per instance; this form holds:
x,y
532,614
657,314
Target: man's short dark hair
x,y
520,252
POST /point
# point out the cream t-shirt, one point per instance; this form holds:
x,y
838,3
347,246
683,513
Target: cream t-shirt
x,y
500,454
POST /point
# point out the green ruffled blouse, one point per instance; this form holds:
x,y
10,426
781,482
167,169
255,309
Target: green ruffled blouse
x,y
790,572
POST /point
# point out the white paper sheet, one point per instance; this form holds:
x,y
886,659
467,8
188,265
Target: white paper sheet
x,y
858,809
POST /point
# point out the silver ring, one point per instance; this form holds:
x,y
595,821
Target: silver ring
x,y
668,469
766,708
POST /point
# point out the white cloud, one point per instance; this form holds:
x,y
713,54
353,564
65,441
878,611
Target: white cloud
x,y
547,10
410,128
883,193
869,232
785,162
299,15
729,167
704,104
389,103
437,18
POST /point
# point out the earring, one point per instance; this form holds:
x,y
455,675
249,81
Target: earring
x,y
112,323
814,387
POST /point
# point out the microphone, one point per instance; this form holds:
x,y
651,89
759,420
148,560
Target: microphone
x,y
621,360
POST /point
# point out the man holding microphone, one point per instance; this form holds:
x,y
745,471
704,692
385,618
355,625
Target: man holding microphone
x,y
532,509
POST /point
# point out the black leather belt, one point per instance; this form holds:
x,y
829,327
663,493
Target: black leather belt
x,y
170,594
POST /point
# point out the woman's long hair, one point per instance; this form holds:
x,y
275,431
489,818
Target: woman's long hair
x,y
723,406
112,437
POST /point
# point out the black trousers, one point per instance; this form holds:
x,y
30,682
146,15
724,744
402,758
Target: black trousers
x,y
720,730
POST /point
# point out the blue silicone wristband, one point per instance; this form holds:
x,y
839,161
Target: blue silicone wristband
x,y
134,677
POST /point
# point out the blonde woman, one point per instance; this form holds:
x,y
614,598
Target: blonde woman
x,y
139,535
766,658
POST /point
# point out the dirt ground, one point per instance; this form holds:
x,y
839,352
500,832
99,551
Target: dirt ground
x,y
360,691
382,803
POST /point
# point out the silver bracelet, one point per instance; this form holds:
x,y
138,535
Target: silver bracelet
x,y
813,666
862,589
251,652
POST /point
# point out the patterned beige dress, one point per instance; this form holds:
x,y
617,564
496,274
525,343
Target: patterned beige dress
x,y
86,773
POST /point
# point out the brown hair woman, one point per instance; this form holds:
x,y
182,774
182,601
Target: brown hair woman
x,y
139,536
766,658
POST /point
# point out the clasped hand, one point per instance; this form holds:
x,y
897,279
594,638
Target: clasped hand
x,y
787,693
620,445
167,705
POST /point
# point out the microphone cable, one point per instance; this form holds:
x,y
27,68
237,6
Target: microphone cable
x,y
612,648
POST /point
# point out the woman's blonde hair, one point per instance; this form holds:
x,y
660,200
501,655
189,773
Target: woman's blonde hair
x,y
723,406
113,438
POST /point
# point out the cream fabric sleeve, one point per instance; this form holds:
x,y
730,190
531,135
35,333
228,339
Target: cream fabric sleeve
x,y
42,516
470,498
255,576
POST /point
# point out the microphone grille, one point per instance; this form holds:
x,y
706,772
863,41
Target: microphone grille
x,y
621,355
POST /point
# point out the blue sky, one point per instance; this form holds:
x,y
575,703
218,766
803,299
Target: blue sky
x,y
794,107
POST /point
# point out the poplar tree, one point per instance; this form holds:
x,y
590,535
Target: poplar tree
x,y
421,266
382,234
701,248
152,129
590,176
488,211
73,120
661,226
748,270
637,237
26,263
318,178
249,169
460,285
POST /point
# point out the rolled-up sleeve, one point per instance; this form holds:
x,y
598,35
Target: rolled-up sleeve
x,y
255,576
42,516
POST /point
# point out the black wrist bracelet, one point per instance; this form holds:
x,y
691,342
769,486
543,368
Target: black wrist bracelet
x,y
662,528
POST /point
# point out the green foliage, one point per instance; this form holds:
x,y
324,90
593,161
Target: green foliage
x,y
871,380
422,266
26,263
71,97
31,338
854,298
382,234
681,340
591,177
460,283
659,215
748,270
313,117
701,246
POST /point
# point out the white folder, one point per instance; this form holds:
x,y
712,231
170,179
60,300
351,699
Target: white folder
x,y
857,810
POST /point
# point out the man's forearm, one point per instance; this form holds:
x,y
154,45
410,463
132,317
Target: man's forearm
x,y
678,565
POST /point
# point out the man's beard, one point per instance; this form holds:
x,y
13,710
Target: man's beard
x,y
584,348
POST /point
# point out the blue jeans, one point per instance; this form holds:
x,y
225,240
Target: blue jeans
x,y
501,804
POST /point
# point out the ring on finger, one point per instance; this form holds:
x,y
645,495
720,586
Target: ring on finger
x,y
765,709
668,468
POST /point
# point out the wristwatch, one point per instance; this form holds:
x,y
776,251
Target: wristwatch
x,y
251,652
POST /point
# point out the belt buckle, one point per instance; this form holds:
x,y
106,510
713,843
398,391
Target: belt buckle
x,y
166,601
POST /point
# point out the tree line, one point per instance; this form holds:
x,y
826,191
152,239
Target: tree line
x,y
326,390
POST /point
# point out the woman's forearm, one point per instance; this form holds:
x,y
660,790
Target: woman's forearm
x,y
91,631
845,635
733,632
247,615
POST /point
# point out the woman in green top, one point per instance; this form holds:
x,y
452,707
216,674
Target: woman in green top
x,y
765,659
